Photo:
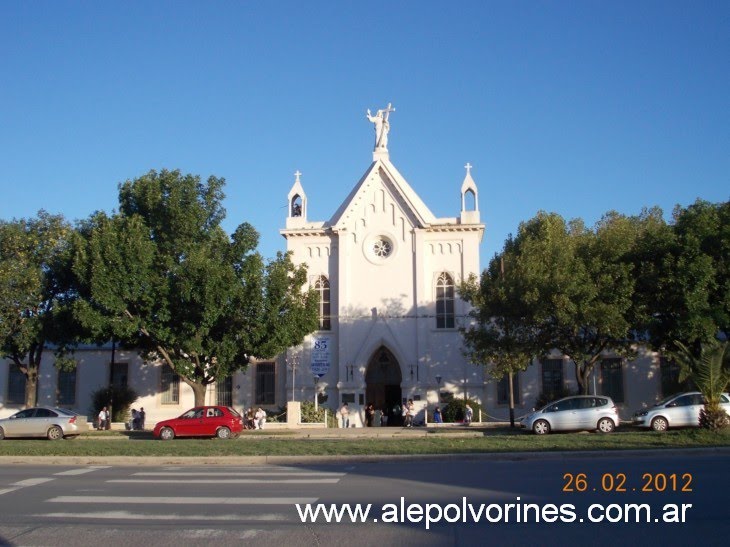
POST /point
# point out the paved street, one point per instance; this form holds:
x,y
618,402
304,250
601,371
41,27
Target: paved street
x,y
175,505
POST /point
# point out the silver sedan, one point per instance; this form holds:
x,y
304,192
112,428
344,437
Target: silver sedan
x,y
51,423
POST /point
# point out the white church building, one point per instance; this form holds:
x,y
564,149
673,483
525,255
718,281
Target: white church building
x,y
386,270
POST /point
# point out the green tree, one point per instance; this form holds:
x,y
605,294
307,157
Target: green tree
x,y
684,271
34,295
162,275
710,372
576,286
501,334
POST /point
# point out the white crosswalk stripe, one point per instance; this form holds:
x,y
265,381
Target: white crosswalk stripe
x,y
241,474
179,500
126,515
32,482
226,481
84,471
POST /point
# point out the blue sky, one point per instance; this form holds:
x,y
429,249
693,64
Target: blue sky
x,y
574,107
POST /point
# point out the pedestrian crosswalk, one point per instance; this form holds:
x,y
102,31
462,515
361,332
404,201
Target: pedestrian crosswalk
x,y
261,494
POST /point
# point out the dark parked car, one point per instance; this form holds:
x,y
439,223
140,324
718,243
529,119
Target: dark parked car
x,y
202,421
52,423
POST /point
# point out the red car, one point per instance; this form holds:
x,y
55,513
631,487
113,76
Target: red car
x,y
202,421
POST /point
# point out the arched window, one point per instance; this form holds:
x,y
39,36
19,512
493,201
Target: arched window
x,y
296,206
322,286
445,302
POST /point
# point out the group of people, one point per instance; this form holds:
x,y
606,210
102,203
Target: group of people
x,y
407,411
136,421
344,415
255,419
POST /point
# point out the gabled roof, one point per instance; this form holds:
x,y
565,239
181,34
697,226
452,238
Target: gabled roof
x,y
382,167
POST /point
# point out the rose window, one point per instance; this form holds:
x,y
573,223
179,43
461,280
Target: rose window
x,y
382,248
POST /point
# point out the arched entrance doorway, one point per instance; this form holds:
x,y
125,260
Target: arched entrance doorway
x,y
382,380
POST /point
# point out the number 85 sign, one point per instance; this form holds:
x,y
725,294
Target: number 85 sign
x,y
321,355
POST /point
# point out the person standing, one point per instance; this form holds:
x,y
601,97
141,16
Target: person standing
x,y
411,412
103,419
468,415
141,418
133,420
437,419
260,418
345,415
369,415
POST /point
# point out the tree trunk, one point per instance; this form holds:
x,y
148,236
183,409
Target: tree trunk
x,y
199,390
583,376
511,401
31,387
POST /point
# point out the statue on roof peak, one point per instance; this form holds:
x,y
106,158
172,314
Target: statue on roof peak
x,y
382,126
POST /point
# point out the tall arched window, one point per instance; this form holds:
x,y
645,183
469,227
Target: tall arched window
x,y
322,286
445,302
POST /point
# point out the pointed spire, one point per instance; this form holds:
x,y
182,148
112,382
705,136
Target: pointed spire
x,y
469,187
297,199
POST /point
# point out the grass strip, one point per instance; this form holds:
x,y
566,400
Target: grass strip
x,y
251,445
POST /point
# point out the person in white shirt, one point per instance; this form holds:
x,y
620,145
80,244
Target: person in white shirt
x,y
103,418
260,418
345,415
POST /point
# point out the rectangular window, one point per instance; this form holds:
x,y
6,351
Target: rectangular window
x,y
169,386
552,378
612,379
66,392
119,374
16,386
224,391
265,384
503,389
670,377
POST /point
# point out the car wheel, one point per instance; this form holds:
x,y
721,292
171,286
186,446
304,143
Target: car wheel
x,y
223,433
606,425
167,434
541,427
659,423
54,433
2,433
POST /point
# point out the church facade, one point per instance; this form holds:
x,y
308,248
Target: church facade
x,y
386,269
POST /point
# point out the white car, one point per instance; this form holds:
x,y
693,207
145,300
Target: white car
x,y
679,410
52,423
579,412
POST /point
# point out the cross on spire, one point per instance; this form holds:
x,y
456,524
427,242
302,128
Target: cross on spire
x,y
468,168
297,174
